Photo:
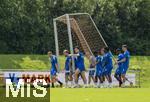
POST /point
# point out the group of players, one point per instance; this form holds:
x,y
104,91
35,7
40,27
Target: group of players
x,y
100,67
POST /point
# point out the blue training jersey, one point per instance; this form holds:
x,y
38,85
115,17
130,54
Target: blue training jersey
x,y
99,62
108,60
120,57
127,56
67,63
53,60
79,62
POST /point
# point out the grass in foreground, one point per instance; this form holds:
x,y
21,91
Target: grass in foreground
x,y
100,95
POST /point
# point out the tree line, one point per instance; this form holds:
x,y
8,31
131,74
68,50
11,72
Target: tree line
x,y
26,26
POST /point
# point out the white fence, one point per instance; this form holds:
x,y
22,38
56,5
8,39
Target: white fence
x,y
130,76
15,75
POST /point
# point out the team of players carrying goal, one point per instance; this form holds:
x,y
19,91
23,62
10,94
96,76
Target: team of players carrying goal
x,y
100,67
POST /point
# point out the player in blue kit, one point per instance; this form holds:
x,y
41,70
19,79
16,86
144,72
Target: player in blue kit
x,y
80,67
126,59
54,68
68,68
125,62
108,66
119,70
99,69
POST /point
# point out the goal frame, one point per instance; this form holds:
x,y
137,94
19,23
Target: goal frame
x,y
70,34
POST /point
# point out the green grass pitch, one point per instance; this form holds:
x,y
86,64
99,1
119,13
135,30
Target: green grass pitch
x,y
100,95
89,95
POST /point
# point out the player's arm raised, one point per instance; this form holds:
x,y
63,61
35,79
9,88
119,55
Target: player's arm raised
x,y
123,60
74,55
113,57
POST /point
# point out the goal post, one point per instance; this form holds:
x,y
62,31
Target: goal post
x,y
77,29
70,39
69,36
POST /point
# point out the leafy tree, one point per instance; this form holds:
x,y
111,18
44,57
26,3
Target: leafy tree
x,y
26,26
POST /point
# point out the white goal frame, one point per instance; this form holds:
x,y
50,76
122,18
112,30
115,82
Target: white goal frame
x,y
69,33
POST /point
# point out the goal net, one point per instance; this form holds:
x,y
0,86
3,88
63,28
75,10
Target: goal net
x,y
77,29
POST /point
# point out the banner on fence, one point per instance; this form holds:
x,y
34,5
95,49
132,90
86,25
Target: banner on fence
x,y
16,75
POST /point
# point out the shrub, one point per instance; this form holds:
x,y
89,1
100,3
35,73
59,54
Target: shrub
x,y
28,63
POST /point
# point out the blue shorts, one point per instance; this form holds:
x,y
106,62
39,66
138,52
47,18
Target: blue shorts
x,y
81,68
104,71
107,71
118,71
99,72
125,69
91,72
53,72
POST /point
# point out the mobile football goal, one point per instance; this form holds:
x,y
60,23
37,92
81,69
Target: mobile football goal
x,y
77,29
